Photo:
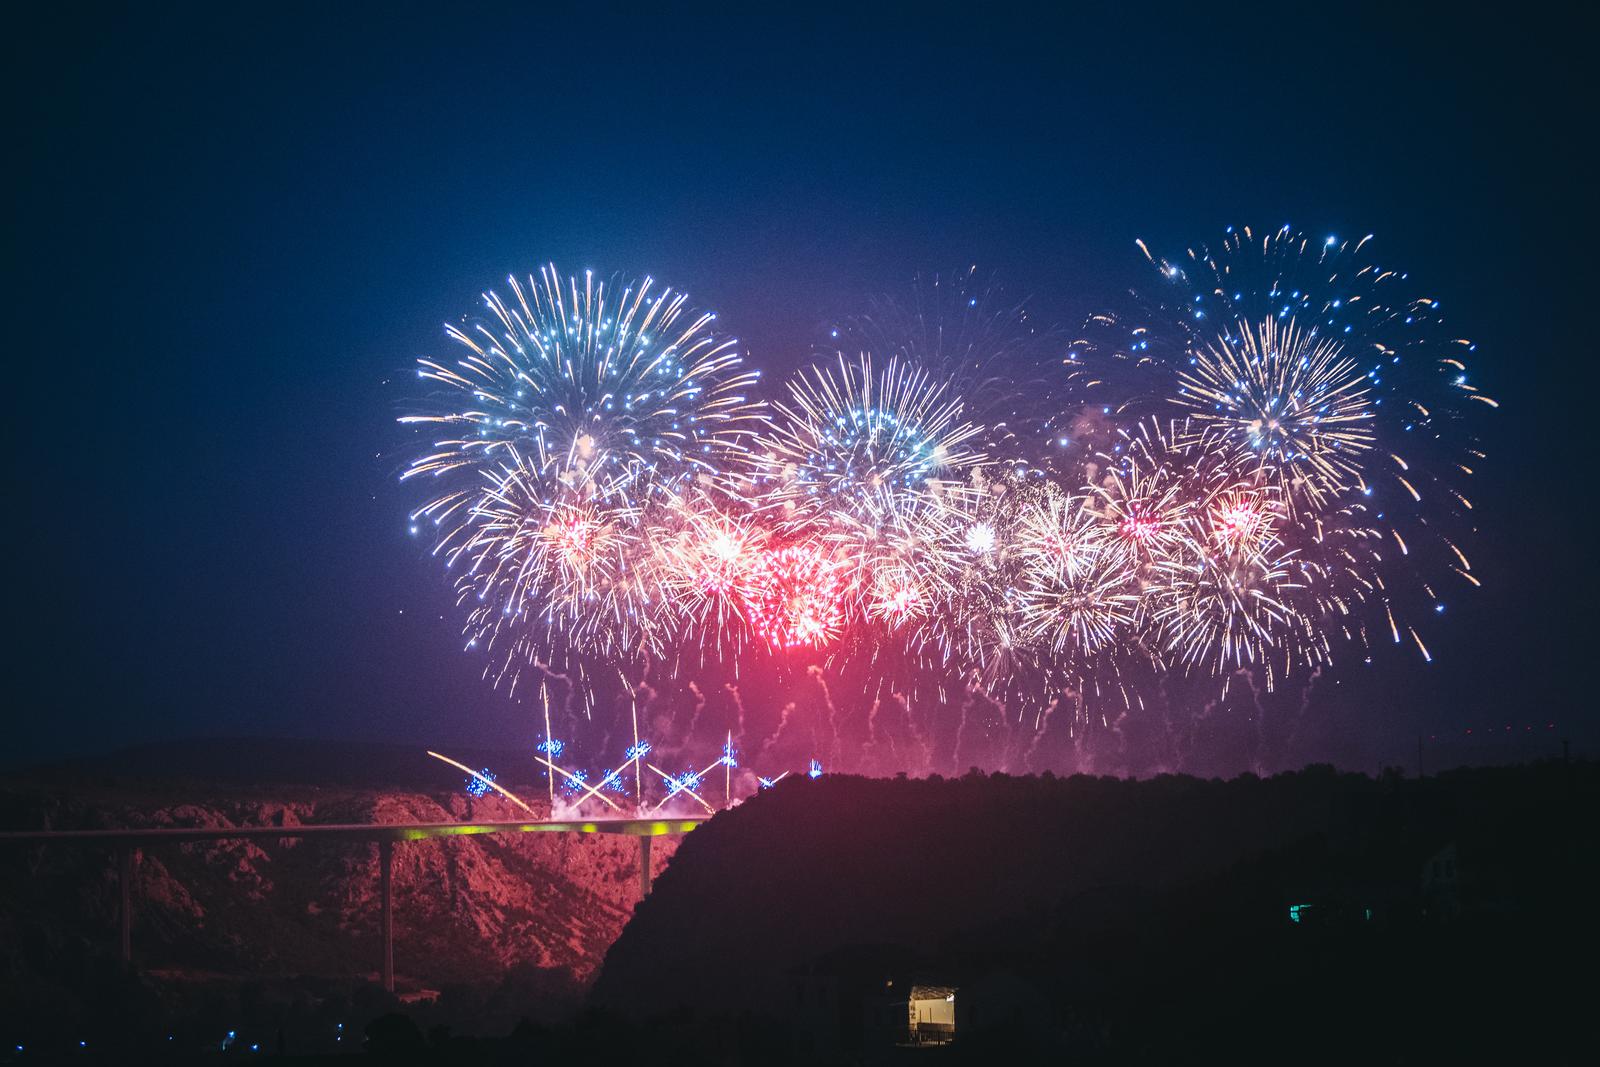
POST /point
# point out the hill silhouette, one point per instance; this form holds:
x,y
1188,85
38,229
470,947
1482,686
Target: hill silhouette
x,y
1126,908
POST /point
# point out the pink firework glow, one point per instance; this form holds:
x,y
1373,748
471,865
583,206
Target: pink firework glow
x,y
796,597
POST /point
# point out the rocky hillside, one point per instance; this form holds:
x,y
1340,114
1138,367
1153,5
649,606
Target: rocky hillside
x,y
467,910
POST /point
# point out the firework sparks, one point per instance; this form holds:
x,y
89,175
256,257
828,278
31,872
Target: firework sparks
x,y
707,558
576,784
903,556
1219,609
1289,401
1339,380
572,409
1079,592
796,597
681,785
604,489
983,345
843,437
1144,499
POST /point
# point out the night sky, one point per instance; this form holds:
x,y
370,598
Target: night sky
x,y
235,231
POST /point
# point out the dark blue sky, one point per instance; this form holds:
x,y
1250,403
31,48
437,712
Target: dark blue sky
x,y
234,231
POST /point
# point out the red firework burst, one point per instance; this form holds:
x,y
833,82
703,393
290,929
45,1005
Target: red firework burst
x,y
1140,529
573,539
795,597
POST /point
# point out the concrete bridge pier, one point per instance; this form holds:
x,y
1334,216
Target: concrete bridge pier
x,y
386,889
125,905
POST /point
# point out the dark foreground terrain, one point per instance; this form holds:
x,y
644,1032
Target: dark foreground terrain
x,y
1312,916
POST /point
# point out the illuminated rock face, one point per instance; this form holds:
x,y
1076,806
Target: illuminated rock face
x,y
467,910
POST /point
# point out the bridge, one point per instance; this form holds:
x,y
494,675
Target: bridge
x,y
385,835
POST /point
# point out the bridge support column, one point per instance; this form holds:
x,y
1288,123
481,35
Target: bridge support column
x,y
386,889
644,866
125,904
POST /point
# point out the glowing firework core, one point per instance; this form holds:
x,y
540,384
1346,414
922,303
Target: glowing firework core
x,y
724,561
1140,528
898,600
980,538
573,540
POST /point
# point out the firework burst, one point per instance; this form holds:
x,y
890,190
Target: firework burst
x,y
925,503
539,576
980,629
845,441
1150,485
796,596
707,551
1078,591
572,410
986,347
903,554
1286,401
614,391
1331,375
1224,599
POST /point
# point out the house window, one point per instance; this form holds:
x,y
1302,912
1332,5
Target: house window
x,y
933,1013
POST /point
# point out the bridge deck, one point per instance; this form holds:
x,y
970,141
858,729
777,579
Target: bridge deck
x,y
413,831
